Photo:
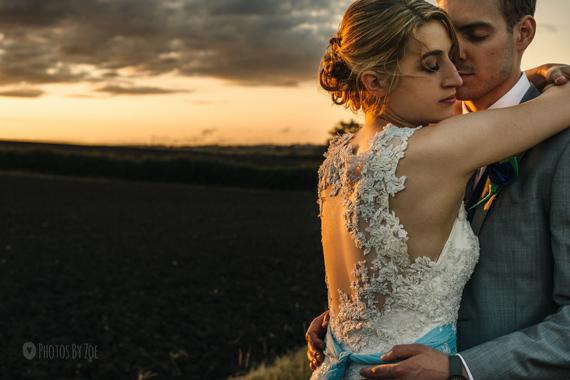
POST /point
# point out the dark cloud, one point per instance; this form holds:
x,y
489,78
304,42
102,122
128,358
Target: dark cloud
x,y
22,93
253,42
209,131
33,12
133,90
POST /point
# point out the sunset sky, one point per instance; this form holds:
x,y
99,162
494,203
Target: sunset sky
x,y
184,72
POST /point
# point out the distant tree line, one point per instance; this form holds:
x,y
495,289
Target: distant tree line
x,y
176,169
294,168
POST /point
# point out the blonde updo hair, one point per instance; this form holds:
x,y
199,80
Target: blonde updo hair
x,y
373,36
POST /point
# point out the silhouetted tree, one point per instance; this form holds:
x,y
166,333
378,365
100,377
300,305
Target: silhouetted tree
x,y
342,127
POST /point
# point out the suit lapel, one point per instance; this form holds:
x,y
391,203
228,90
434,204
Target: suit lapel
x,y
473,195
530,94
480,213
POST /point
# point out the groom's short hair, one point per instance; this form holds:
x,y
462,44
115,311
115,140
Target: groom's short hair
x,y
514,10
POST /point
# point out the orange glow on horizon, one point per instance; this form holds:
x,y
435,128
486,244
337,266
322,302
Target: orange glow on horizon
x,y
206,111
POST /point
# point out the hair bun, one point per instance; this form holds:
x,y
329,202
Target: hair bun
x,y
334,65
335,42
335,73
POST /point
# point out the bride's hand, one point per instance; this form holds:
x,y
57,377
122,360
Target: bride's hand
x,y
558,74
545,75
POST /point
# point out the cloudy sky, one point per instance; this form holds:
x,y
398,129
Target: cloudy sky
x,y
181,72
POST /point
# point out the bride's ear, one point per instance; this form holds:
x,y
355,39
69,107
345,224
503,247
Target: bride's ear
x,y
374,83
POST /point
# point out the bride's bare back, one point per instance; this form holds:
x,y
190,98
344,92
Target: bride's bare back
x,y
421,211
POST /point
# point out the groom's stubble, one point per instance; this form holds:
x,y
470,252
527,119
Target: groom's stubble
x,y
489,64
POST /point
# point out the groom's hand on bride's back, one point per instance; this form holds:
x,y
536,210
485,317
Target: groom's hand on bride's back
x,y
418,362
315,337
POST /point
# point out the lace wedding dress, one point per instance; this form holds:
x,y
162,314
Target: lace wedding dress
x,y
419,296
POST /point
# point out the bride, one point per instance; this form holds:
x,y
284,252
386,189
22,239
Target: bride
x,y
397,246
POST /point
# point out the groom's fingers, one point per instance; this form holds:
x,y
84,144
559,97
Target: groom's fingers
x,y
384,371
393,371
314,341
403,351
317,331
326,319
418,362
315,344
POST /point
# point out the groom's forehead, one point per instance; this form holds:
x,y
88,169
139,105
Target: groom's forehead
x,y
469,11
487,5
490,5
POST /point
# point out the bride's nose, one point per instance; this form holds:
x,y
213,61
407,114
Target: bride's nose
x,y
452,79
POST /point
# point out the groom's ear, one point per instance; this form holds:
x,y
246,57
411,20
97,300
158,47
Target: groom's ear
x,y
374,83
525,30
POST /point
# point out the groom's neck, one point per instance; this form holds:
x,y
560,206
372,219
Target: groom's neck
x,y
488,99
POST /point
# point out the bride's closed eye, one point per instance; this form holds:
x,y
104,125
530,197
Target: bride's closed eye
x,y
432,66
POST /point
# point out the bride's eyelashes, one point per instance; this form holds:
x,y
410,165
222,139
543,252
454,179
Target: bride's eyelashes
x,y
431,66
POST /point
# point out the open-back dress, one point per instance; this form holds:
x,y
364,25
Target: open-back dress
x,y
420,298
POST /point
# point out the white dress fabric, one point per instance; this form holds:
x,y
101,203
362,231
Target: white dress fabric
x,y
419,295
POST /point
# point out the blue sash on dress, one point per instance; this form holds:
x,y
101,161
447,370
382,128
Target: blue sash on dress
x,y
442,338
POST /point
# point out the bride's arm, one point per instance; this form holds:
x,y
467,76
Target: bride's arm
x,y
542,75
480,138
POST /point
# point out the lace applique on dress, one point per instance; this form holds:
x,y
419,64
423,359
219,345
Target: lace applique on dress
x,y
418,295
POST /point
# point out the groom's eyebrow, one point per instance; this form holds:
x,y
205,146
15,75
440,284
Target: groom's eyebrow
x,y
473,25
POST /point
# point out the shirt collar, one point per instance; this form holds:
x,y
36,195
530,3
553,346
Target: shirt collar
x,y
511,98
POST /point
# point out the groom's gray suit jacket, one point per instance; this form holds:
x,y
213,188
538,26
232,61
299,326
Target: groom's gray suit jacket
x,y
514,320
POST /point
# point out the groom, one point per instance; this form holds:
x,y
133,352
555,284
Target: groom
x,y
514,320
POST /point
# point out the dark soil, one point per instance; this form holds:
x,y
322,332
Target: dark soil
x,y
175,281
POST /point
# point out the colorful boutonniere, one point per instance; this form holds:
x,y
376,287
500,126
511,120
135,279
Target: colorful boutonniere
x,y
500,174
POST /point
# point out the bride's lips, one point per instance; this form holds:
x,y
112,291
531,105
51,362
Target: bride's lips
x,y
449,100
